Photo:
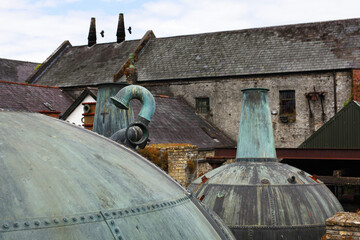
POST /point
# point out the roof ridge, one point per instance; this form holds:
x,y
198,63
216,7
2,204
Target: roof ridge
x,y
48,62
143,42
29,85
107,43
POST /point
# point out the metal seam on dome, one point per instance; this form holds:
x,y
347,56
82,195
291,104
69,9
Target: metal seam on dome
x,y
115,229
213,221
91,217
272,206
41,223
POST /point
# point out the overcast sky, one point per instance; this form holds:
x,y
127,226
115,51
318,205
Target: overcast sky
x,y
31,30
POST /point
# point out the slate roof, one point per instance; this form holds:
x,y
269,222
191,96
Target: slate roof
x,y
15,71
282,49
32,98
176,122
83,65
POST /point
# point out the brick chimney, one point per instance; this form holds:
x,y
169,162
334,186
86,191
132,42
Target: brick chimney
x,y
120,34
92,33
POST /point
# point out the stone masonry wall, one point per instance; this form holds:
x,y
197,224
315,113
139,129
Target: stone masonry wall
x,y
202,168
356,85
178,156
225,100
343,226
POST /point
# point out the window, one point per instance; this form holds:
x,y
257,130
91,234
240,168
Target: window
x,y
287,106
202,105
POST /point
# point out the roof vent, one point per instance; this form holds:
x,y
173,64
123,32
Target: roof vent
x,y
48,105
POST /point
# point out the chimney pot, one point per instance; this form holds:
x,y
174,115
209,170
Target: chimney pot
x,y
92,33
120,34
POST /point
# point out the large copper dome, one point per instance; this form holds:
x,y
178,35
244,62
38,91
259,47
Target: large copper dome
x,y
258,197
59,181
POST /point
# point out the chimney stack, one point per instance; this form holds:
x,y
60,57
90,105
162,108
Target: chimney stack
x,y
120,34
92,33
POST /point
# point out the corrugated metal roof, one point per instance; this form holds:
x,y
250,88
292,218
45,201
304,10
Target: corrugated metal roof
x,y
341,131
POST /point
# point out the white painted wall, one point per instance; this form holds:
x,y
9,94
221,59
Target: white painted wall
x,y
76,116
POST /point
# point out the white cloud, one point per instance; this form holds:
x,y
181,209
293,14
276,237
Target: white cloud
x,y
291,11
188,16
13,5
32,30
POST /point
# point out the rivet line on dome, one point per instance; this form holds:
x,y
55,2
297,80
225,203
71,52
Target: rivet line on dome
x,y
40,223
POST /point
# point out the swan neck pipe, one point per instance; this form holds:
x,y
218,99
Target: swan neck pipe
x,y
125,95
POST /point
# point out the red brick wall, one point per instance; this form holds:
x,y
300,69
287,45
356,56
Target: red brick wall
x,y
356,84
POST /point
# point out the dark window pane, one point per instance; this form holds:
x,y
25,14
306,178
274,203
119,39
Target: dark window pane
x,y
202,105
287,102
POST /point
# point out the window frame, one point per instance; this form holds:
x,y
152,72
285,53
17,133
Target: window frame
x,y
202,105
287,105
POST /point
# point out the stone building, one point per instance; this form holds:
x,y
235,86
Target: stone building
x,y
310,69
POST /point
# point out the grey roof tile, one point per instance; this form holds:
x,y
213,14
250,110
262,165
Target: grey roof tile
x,y
176,122
32,98
83,65
291,48
282,49
15,71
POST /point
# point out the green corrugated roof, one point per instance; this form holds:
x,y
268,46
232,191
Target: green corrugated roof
x,y
341,131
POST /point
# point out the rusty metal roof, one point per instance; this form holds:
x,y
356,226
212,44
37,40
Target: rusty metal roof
x,y
59,181
32,98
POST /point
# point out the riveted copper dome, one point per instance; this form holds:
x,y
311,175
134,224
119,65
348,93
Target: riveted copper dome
x,y
59,181
258,197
